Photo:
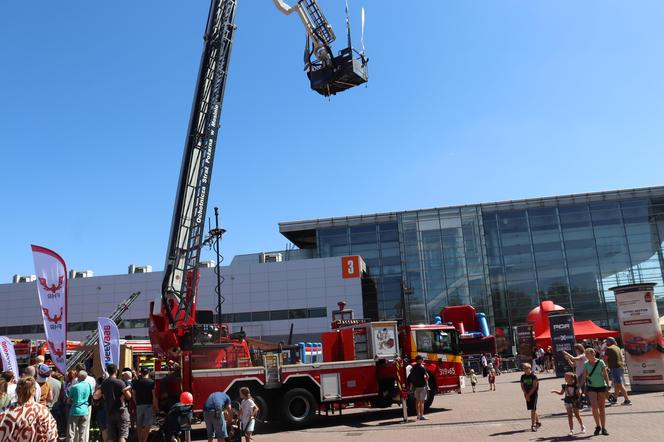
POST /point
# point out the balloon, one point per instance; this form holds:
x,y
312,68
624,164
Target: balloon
x,y
186,398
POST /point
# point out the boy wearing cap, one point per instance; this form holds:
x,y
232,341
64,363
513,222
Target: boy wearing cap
x,y
614,361
46,395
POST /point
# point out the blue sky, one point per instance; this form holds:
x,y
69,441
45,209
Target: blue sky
x,y
467,102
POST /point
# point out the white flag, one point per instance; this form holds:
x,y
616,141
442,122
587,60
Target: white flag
x,y
8,356
109,342
51,272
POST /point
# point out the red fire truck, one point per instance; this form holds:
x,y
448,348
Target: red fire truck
x,y
362,364
362,360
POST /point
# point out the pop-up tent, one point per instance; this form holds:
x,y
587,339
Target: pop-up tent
x,y
582,330
539,317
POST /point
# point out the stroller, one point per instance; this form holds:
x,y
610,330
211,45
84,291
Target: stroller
x,y
173,425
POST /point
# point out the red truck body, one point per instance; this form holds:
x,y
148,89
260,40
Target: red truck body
x,y
362,364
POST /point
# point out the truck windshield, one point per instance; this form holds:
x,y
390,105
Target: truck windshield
x,y
434,341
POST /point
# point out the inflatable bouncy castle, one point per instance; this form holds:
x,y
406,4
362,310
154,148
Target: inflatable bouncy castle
x,y
473,329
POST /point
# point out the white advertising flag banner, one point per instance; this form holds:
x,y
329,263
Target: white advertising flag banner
x,y
51,272
109,342
8,356
641,336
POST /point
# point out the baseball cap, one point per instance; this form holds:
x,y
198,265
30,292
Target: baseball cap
x,y
611,340
43,371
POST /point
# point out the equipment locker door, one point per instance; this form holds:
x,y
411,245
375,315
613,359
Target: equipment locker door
x,y
330,386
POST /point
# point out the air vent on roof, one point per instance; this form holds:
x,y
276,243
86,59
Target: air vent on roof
x,y
139,269
80,274
206,264
23,278
269,257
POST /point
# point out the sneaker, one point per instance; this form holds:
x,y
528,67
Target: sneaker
x,y
424,418
583,429
419,418
597,430
538,423
533,428
604,432
627,402
571,433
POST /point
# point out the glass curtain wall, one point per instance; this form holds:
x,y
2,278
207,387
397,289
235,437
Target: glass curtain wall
x,y
572,254
378,245
443,262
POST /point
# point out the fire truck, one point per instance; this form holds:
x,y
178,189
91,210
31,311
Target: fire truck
x,y
363,363
362,360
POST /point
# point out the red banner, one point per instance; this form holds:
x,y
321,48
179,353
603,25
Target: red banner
x,y
51,272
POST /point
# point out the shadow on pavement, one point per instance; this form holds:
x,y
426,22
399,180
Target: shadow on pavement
x,y
560,438
362,419
507,433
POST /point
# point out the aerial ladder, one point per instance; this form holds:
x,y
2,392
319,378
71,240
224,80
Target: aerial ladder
x,y
80,356
175,334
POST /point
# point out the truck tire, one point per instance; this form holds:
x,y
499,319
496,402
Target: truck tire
x,y
386,391
433,390
298,407
263,407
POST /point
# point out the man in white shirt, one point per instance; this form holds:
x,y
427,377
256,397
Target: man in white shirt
x,y
31,372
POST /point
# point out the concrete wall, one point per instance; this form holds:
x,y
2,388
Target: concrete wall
x,y
248,287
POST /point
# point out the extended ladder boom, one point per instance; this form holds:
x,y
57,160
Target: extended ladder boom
x,y
179,287
172,319
93,337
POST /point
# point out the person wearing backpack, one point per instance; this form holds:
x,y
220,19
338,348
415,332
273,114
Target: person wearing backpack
x,y
597,380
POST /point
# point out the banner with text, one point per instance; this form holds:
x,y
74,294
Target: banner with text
x,y
8,356
562,339
109,342
641,336
525,342
51,272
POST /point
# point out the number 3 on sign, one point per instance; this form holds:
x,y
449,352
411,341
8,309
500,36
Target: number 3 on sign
x,y
350,267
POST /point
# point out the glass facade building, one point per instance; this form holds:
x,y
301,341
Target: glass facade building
x,y
503,258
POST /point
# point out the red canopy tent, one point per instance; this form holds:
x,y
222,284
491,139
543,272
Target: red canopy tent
x,y
582,330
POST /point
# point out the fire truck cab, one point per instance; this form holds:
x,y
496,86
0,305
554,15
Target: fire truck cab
x,y
439,347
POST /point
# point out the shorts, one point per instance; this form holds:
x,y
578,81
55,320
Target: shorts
x,y
572,404
117,424
532,403
420,394
249,427
215,427
597,389
617,375
144,417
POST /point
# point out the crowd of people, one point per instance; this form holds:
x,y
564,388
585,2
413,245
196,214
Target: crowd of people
x,y
66,407
44,406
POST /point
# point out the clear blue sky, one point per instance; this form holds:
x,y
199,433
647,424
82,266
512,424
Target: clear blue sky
x,y
467,102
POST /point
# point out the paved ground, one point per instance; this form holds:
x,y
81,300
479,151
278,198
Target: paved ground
x,y
485,415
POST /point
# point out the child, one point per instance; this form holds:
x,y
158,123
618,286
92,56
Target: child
x,y
529,386
473,379
492,379
248,412
572,394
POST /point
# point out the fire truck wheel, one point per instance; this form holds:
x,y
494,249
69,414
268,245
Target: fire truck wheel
x,y
263,408
433,389
298,406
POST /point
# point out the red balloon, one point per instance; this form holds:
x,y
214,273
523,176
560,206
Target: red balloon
x,y
186,398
